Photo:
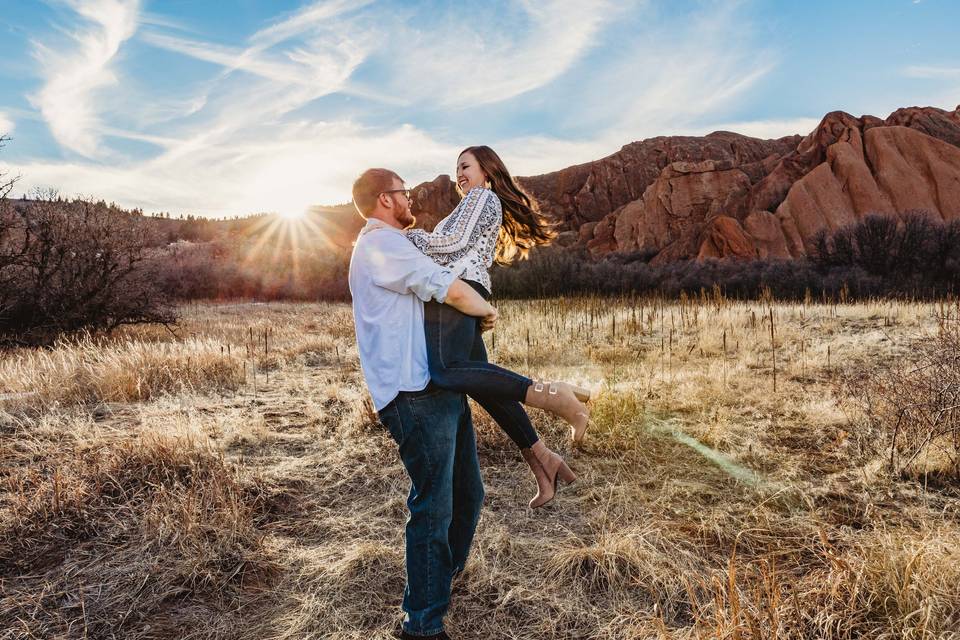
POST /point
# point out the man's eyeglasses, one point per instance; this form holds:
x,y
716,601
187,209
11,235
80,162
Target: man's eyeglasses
x,y
405,192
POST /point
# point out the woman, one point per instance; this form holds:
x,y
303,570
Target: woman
x,y
495,221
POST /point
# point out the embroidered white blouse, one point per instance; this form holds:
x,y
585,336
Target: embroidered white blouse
x,y
466,240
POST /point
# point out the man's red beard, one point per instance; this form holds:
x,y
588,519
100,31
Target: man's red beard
x,y
407,220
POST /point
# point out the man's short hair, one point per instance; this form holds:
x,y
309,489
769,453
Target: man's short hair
x,y
368,187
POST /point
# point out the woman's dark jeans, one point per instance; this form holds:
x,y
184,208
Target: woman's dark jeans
x,y
458,362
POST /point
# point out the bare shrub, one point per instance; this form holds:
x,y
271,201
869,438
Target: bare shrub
x,y
80,265
913,404
6,182
877,241
251,269
920,242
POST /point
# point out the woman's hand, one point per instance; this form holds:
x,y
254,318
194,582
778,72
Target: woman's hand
x,y
489,321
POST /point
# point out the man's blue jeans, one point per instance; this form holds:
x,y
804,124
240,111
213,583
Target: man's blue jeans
x,y
434,432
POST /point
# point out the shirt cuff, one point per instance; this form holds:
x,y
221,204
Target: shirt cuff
x,y
439,285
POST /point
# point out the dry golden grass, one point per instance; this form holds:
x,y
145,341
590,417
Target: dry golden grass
x,y
232,482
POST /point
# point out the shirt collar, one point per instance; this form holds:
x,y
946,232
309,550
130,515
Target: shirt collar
x,y
373,224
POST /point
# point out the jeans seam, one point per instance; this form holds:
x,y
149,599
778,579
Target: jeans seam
x,y
440,339
431,632
403,436
514,377
430,527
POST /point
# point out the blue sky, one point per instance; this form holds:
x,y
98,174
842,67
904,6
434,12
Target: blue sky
x,y
227,108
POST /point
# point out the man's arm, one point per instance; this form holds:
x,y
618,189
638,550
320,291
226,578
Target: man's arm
x,y
397,265
467,301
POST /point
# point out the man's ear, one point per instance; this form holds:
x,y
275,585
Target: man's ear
x,y
385,200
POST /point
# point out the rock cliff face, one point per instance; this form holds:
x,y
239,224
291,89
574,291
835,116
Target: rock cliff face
x,y
433,200
845,169
728,195
589,192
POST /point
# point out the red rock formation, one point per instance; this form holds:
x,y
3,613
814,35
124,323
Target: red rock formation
x,y
673,208
433,200
589,192
725,238
871,168
943,125
846,168
728,195
767,234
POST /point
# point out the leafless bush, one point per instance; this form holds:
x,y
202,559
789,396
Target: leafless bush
x,y
6,183
915,243
70,266
262,270
913,405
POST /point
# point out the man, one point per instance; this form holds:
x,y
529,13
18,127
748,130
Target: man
x,y
389,281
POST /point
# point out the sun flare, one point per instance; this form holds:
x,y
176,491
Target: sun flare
x,y
292,215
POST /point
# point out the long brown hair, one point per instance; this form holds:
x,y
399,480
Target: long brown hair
x,y
523,227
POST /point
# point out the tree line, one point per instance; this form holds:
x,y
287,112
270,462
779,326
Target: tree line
x,y
77,265
914,256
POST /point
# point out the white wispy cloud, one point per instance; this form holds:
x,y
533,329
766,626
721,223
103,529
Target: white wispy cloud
x,y
673,75
157,110
474,60
764,129
232,58
311,16
253,141
292,76
6,124
299,165
327,57
943,90
73,74
668,80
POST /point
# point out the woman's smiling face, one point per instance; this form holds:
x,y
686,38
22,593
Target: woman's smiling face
x,y
469,173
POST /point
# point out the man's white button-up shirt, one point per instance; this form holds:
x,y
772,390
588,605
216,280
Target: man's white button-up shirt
x,y
390,279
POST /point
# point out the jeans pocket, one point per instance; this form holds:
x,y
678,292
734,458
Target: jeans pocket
x,y
390,418
436,416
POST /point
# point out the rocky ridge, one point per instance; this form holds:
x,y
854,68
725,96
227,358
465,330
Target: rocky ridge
x,y
729,195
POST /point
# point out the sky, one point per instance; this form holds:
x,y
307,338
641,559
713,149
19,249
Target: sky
x,y
235,107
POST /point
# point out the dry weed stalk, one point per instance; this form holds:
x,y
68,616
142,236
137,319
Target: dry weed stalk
x,y
913,404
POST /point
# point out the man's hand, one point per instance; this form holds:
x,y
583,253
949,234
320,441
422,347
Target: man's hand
x,y
489,321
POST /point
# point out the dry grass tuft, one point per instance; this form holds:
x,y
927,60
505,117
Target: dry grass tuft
x,y
115,536
891,584
654,574
89,371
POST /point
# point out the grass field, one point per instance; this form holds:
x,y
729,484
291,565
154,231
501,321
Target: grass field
x,y
231,481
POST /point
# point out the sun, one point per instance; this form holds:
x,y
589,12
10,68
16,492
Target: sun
x,y
292,215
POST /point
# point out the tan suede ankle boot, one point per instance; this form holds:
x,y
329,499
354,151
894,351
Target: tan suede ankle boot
x,y
560,398
547,467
